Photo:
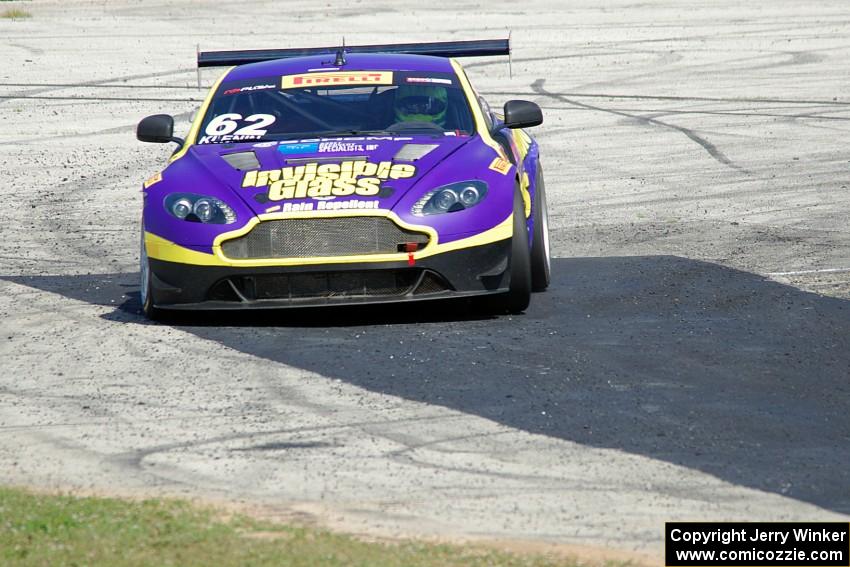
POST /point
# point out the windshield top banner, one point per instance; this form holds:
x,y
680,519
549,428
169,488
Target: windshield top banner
x,y
336,79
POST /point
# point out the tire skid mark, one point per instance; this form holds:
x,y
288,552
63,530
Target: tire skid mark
x,y
653,73
136,457
658,113
91,86
711,149
101,420
407,459
98,98
82,247
98,82
663,57
105,131
794,58
408,447
31,50
683,98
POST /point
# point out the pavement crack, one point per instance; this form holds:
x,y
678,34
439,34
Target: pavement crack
x,y
713,151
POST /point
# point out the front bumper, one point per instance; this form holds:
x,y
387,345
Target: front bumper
x,y
474,271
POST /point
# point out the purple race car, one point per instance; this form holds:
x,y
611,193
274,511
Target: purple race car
x,y
365,174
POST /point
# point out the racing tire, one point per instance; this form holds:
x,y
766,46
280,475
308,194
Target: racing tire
x,y
519,294
145,288
541,264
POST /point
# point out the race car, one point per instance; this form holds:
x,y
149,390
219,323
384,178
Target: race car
x,y
334,176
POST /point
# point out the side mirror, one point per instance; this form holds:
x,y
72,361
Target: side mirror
x,y
158,129
522,114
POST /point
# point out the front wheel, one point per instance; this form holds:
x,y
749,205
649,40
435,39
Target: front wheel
x,y
519,294
540,260
145,296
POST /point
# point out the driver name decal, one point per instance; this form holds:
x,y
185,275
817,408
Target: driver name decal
x,y
327,180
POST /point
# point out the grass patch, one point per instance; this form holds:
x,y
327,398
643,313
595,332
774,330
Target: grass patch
x,y
15,14
65,530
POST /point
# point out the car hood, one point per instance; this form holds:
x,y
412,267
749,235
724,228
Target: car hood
x,y
372,172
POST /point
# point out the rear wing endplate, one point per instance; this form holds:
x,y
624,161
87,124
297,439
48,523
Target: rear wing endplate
x,y
472,48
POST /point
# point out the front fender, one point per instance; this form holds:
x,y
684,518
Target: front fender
x,y
475,160
186,175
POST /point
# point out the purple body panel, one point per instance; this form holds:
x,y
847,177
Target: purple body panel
x,y
203,171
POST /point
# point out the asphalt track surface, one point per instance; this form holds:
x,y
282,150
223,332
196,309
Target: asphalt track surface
x,y
690,361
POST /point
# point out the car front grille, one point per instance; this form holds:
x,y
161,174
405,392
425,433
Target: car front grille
x,y
305,238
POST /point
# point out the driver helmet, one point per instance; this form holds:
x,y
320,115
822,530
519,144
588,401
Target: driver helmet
x,y
421,103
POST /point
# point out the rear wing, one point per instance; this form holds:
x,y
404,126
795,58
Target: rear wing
x,y
472,48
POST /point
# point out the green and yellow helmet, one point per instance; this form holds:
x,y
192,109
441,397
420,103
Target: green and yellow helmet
x,y
421,103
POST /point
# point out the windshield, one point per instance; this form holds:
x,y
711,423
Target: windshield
x,y
330,103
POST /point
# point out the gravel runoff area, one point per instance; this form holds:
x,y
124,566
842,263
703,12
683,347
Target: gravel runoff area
x,y
690,360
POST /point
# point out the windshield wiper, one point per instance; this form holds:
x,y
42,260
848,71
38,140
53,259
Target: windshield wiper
x,y
349,132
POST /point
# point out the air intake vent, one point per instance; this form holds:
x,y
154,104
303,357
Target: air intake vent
x,y
305,238
243,161
383,283
431,283
326,286
413,152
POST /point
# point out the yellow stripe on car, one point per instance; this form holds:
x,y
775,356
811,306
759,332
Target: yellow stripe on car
x,y
480,123
526,195
162,249
522,141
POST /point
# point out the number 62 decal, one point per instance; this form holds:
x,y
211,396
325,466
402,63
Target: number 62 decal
x,y
225,124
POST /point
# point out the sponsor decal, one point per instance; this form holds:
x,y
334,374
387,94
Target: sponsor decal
x,y
367,147
247,89
296,207
154,179
327,146
335,146
429,80
351,204
343,205
298,148
500,165
361,139
327,180
336,78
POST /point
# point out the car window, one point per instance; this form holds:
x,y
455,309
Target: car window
x,y
344,103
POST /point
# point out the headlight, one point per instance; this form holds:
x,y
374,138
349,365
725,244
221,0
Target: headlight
x,y
198,208
450,198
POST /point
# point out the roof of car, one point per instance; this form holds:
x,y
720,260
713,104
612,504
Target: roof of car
x,y
354,62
